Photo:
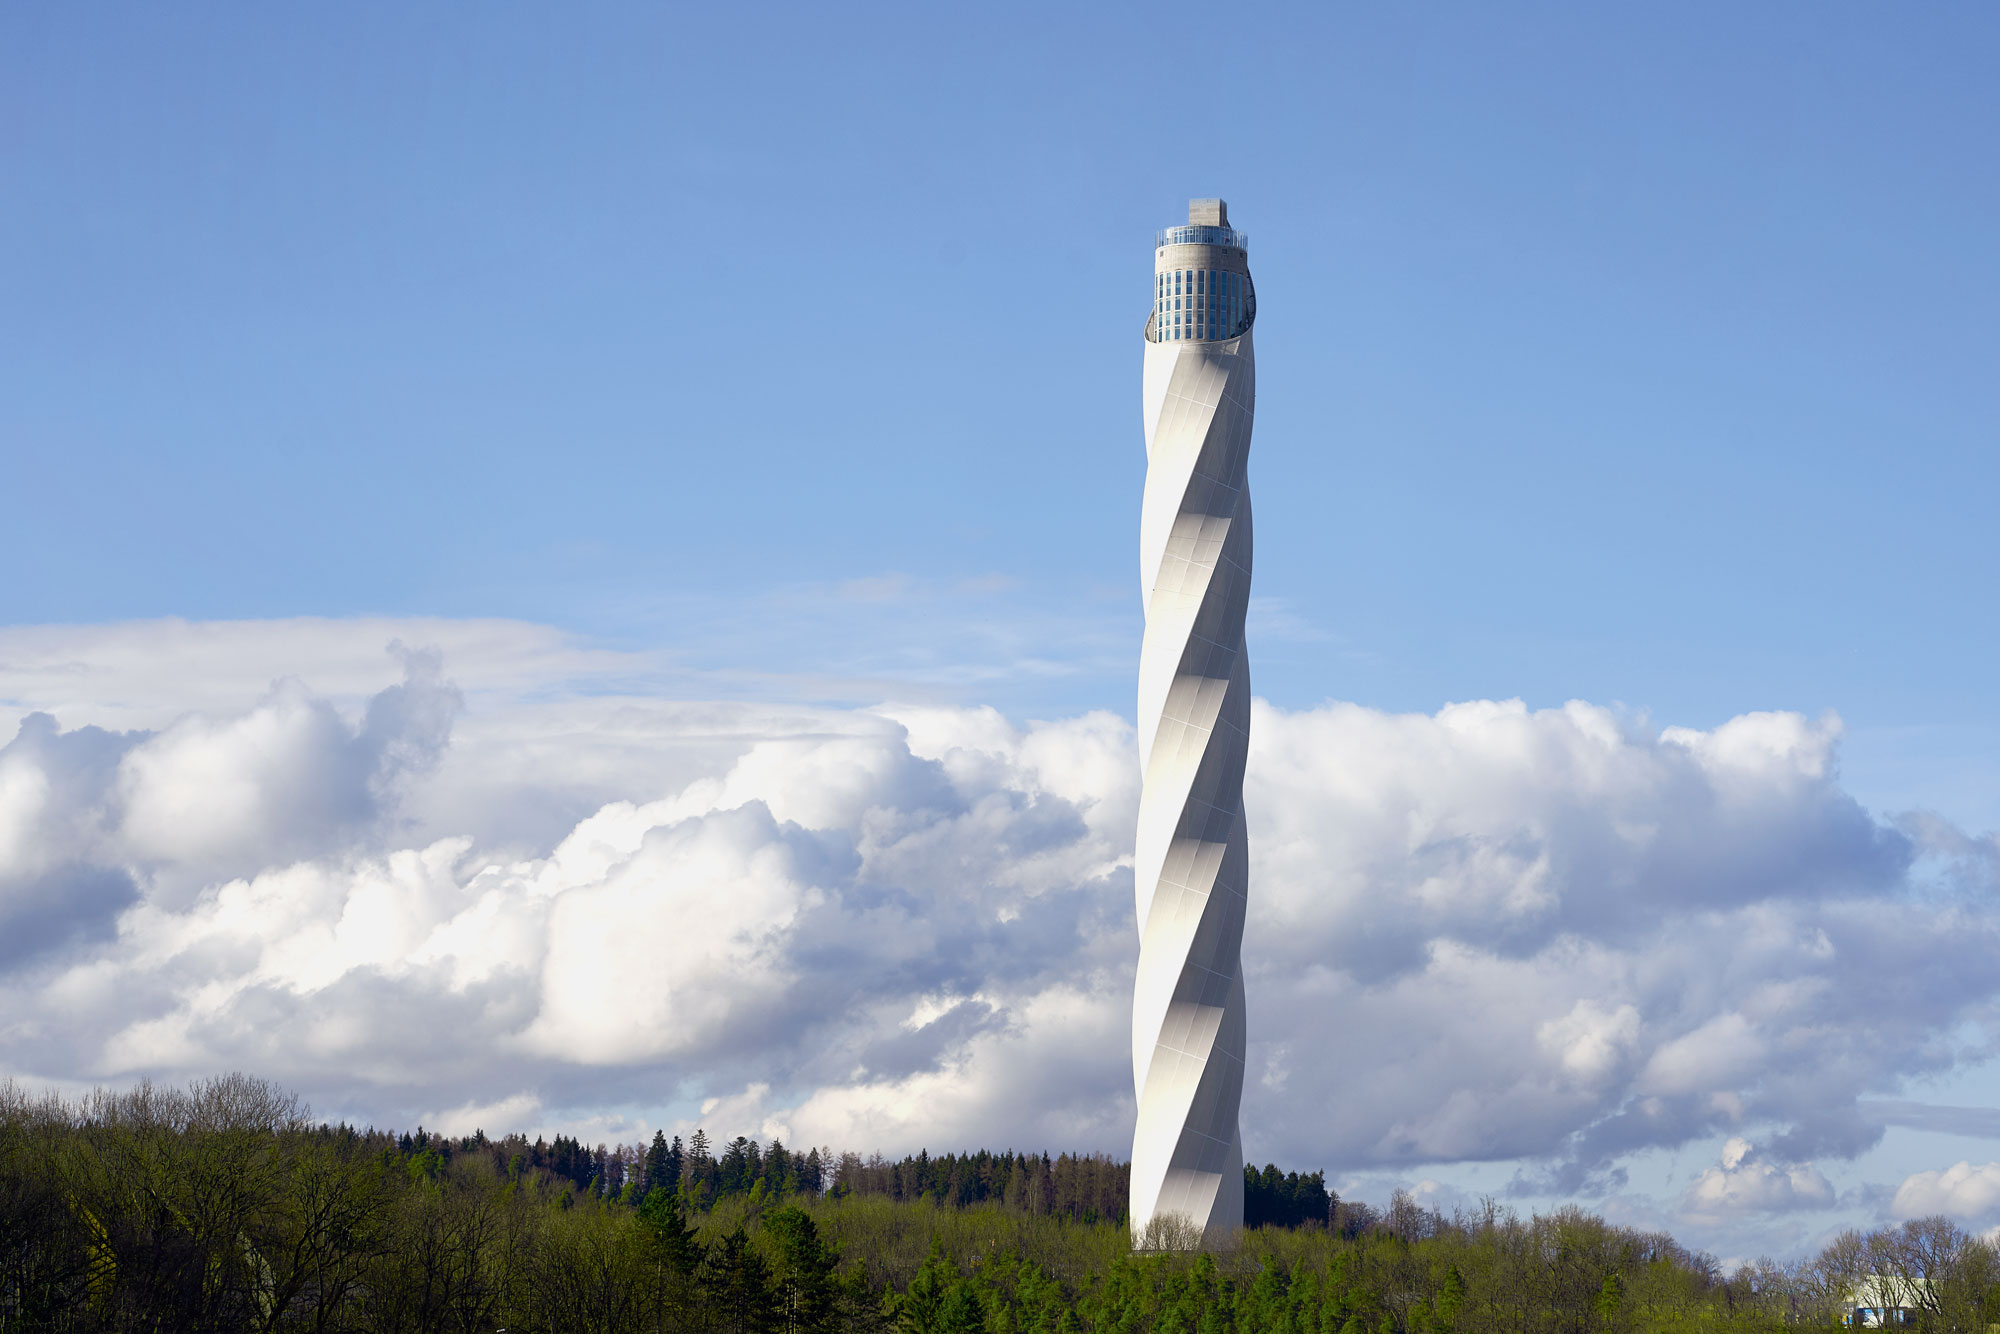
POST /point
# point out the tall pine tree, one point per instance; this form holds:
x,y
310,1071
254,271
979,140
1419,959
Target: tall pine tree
x,y
659,1171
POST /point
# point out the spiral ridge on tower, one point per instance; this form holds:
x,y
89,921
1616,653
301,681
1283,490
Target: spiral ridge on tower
x,y
1191,859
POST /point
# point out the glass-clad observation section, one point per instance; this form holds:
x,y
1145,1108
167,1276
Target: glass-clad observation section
x,y
1201,305
1201,279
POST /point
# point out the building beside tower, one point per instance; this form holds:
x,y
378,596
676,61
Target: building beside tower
x,y
1191,862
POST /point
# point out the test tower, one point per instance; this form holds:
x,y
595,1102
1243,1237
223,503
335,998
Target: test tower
x,y
1192,860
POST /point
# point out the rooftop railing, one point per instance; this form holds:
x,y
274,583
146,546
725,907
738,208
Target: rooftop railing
x,y
1196,235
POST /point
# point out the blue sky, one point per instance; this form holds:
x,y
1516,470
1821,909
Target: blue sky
x,y
1622,356
1643,358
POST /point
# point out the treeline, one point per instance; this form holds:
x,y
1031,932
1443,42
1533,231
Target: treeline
x,y
626,1172
1291,1199
222,1208
1086,1188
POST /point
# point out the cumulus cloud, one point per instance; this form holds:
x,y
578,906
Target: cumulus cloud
x,y
1964,1190
1555,935
208,796
787,911
1744,1183
1551,937
55,886
213,796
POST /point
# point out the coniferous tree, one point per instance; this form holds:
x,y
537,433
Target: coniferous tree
x,y
963,1312
737,1284
673,1255
777,1168
673,1241
920,1310
807,1290
658,1165
697,1154
734,1173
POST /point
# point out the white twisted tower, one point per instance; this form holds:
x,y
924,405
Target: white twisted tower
x,y
1192,862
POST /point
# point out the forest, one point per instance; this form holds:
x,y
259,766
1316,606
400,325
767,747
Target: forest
x,y
224,1207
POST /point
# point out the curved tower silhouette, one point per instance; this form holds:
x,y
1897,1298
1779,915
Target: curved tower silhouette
x,y
1192,860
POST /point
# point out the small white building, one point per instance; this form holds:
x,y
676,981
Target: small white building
x,y
1885,1301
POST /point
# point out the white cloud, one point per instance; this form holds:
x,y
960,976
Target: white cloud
x,y
1745,1183
1555,935
1591,1041
1964,1190
1718,1055
1490,933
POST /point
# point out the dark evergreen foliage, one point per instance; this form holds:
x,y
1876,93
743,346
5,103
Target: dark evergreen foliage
x,y
1086,1187
1285,1199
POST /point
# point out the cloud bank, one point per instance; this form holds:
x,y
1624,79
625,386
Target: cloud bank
x,y
1554,938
